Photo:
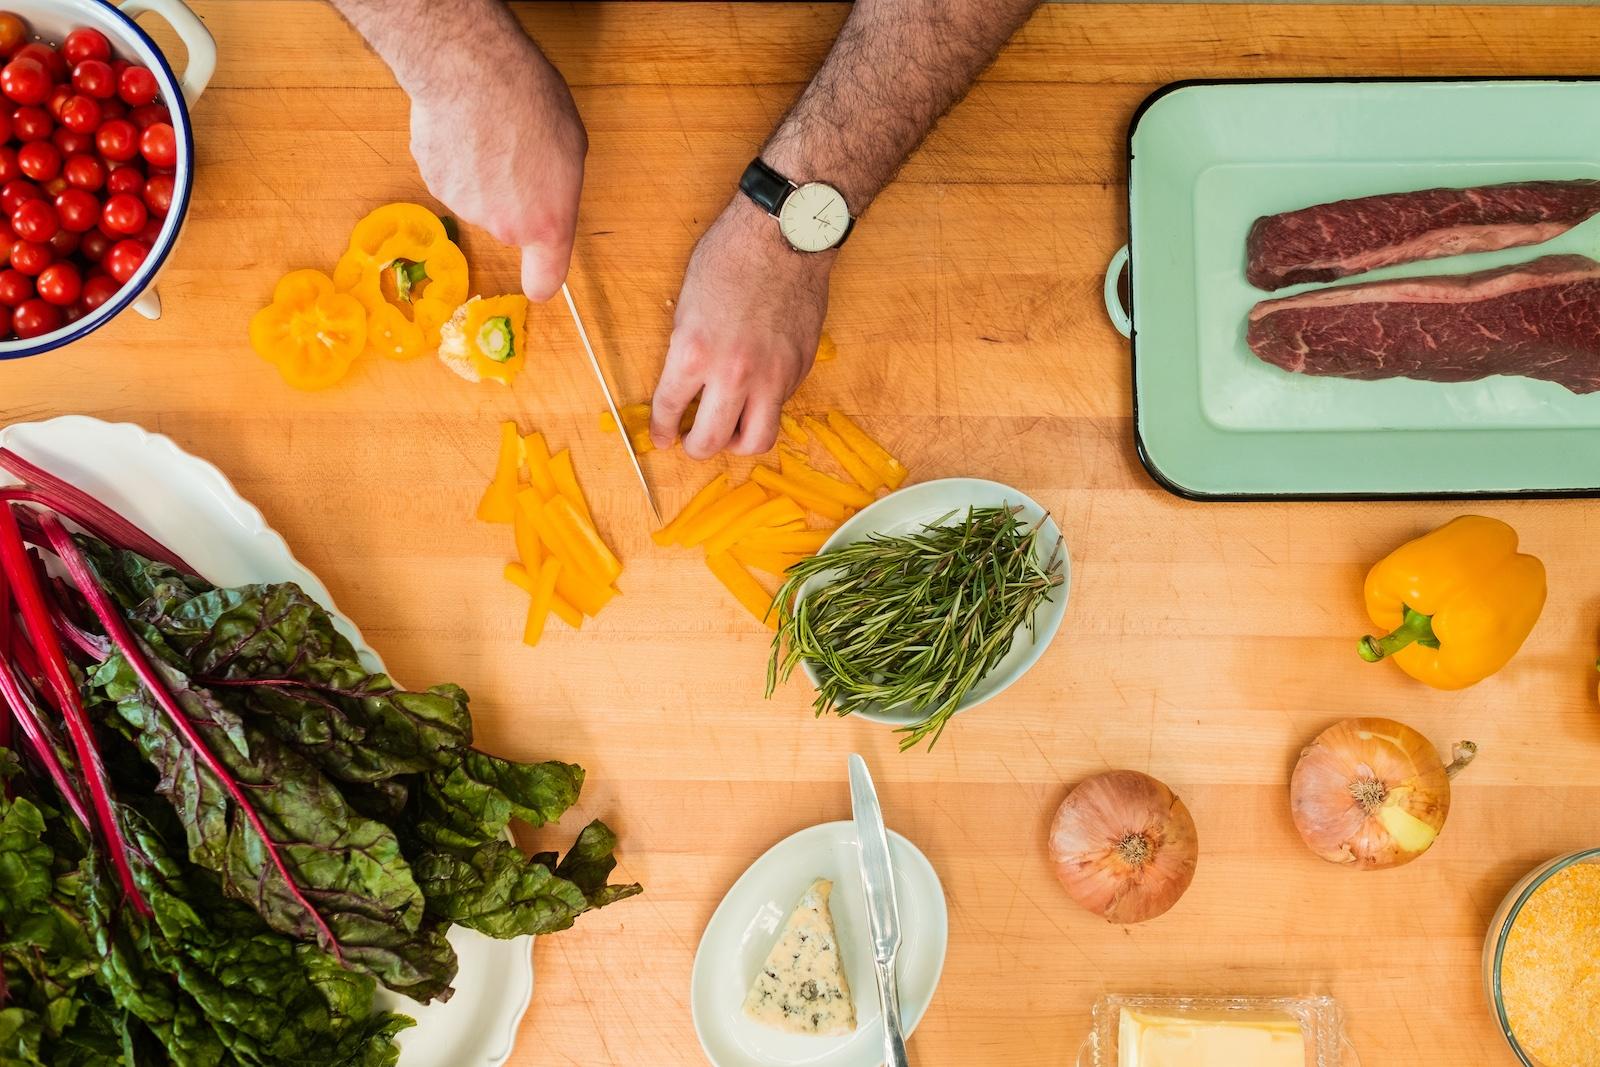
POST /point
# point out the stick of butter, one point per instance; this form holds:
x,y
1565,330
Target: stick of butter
x,y
1217,1039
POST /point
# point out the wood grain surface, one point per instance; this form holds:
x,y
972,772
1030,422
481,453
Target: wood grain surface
x,y
1205,644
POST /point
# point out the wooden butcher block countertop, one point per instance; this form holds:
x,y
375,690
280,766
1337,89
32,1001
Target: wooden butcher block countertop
x,y
1204,644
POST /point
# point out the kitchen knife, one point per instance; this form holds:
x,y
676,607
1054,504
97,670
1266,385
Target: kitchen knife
x,y
883,913
611,403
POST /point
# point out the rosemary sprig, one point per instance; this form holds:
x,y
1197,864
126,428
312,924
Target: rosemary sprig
x,y
912,622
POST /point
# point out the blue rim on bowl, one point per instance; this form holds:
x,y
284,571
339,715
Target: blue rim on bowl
x,y
172,97
1505,917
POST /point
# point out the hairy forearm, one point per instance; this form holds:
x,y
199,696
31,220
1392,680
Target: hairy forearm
x,y
437,46
896,66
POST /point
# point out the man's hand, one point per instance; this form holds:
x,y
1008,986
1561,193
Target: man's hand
x,y
745,333
494,129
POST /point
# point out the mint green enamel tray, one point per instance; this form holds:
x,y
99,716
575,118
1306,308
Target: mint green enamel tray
x,y
1213,421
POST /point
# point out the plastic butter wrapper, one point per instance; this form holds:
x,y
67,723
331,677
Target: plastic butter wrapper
x,y
1212,1031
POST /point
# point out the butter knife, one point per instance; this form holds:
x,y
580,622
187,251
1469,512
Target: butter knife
x,y
611,402
883,913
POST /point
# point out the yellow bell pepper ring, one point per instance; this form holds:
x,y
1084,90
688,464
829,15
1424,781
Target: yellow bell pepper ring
x,y
401,257
486,338
309,332
1457,603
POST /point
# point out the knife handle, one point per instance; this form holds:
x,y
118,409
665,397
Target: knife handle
x,y
894,1042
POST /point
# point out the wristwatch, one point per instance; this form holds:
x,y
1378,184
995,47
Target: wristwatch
x,y
812,217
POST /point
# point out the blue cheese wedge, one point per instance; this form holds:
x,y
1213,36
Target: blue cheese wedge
x,y
801,988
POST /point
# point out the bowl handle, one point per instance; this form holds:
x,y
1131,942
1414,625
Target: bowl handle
x,y
194,35
148,304
1114,307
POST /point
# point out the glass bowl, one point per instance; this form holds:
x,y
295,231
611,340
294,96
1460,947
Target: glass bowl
x,y
1494,944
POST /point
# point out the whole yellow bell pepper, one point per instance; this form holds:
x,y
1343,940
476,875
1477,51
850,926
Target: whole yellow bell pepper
x,y
405,270
1457,602
309,332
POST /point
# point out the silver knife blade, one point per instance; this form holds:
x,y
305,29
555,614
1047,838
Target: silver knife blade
x,y
883,912
611,403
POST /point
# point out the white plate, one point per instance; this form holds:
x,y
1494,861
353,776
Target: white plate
x,y
745,926
914,507
190,506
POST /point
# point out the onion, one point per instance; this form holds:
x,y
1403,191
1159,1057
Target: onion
x,y
1124,846
1372,793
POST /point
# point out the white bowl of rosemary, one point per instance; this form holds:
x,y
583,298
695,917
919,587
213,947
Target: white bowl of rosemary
x,y
926,604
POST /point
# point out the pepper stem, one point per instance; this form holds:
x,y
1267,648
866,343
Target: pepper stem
x,y
1414,629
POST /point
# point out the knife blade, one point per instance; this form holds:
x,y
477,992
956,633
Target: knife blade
x,y
883,910
611,402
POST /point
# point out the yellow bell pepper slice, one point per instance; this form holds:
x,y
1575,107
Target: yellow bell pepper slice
x,y
765,559
709,494
486,338
744,587
804,542
519,576
714,519
400,257
775,512
309,332
595,557
500,499
537,455
792,428
885,466
587,596
771,479
635,417
853,464
530,550
566,483
802,473
827,351
544,591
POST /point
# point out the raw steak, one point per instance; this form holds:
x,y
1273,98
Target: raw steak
x,y
1539,320
1329,241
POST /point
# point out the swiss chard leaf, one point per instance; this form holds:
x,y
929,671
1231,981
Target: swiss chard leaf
x,y
473,802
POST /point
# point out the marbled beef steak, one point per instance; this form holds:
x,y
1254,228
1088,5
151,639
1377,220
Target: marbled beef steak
x,y
1538,319
1331,241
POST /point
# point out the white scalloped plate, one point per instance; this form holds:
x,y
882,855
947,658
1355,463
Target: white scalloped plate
x,y
190,506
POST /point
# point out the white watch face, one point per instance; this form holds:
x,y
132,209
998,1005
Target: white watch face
x,y
813,217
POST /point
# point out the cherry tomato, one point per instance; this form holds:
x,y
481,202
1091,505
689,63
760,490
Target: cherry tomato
x,y
57,100
72,142
9,171
94,77
39,160
149,114
94,245
13,32
125,179
113,109
117,140
25,81
84,171
60,284
63,244
54,66
85,43
125,259
158,194
81,114
159,145
122,215
15,287
35,220
78,209
72,314
34,317
97,289
14,192
5,321
31,257
136,86
151,232
55,187
31,124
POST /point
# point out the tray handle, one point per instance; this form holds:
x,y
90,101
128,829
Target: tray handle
x,y
1115,308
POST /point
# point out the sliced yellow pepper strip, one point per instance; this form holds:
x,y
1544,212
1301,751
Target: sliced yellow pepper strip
x,y
544,591
764,559
885,466
635,417
801,472
499,500
309,332
566,483
583,594
518,575
812,501
805,542
744,587
854,465
595,557
537,455
826,349
774,512
530,550
792,428
715,518
709,494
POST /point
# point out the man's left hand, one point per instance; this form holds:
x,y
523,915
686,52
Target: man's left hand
x,y
744,335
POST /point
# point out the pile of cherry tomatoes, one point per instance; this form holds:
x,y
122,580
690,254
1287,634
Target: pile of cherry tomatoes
x,y
86,175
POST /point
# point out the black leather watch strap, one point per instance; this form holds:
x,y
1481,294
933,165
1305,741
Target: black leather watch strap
x,y
764,185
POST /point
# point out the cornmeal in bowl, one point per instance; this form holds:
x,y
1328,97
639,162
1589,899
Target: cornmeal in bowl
x,y
1550,971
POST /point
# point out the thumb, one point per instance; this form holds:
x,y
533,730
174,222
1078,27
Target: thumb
x,y
544,268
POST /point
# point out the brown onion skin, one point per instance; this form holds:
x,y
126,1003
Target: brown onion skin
x,y
1331,821
1101,812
